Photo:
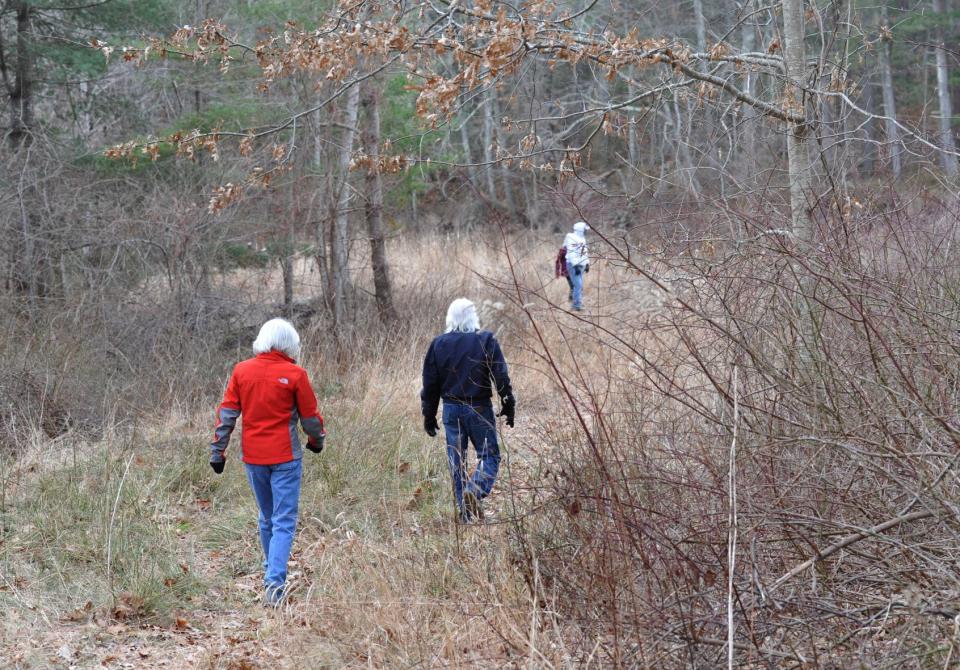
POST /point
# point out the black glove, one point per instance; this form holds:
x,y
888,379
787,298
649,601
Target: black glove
x,y
316,446
218,465
508,408
586,268
430,425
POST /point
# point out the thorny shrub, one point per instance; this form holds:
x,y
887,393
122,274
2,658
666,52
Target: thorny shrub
x,y
827,373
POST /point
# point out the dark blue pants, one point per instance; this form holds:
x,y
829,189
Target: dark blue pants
x,y
471,423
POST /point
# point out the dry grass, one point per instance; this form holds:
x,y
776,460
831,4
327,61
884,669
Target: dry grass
x,y
128,550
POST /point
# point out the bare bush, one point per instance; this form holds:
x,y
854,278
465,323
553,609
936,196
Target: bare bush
x,y
845,352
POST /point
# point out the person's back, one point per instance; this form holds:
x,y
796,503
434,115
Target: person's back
x,y
578,262
463,367
271,390
459,367
576,246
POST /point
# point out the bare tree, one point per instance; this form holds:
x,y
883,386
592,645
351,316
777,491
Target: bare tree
x,y
948,155
339,270
892,132
18,77
374,207
799,158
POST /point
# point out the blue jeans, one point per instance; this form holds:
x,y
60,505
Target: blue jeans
x,y
575,279
277,490
471,423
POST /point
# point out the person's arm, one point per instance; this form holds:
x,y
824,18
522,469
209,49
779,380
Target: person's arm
x,y
310,417
501,377
430,392
498,369
227,415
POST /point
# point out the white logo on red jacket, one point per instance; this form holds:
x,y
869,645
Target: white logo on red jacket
x,y
283,380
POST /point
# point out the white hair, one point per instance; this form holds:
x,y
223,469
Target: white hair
x,y
277,335
462,317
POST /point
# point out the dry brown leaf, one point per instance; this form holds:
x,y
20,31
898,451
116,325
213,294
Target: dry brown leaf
x,y
81,613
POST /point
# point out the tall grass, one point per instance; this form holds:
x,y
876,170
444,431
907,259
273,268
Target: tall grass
x,y
609,540
129,526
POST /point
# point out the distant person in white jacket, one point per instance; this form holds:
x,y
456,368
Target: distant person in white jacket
x,y
578,262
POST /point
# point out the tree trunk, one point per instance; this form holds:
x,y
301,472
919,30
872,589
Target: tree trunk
x,y
505,173
949,147
866,167
891,130
748,41
488,141
684,163
633,143
198,17
323,190
701,24
286,268
338,270
374,209
465,142
21,90
800,167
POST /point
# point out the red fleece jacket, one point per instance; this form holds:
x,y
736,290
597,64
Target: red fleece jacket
x,y
273,393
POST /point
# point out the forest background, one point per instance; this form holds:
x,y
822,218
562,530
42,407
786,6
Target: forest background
x,y
743,452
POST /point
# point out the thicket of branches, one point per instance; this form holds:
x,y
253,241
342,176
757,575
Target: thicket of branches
x,y
737,461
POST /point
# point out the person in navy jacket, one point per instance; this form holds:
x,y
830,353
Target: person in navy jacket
x,y
463,367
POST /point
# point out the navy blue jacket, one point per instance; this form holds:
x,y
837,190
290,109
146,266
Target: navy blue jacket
x,y
459,367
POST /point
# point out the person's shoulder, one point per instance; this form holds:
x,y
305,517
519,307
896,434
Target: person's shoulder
x,y
487,337
244,370
245,364
295,369
301,373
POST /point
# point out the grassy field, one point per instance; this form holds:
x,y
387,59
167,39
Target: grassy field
x,y
614,524
127,551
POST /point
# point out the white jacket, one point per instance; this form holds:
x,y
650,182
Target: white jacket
x,y
576,246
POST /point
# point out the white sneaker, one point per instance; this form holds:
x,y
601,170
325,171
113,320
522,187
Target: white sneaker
x,y
273,596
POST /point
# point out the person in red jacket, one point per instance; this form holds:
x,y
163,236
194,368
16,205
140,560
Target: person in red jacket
x,y
273,394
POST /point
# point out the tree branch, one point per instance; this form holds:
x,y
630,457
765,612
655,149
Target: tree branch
x,y
847,541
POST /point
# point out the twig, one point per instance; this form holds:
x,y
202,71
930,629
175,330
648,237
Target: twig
x,y
732,530
847,541
113,516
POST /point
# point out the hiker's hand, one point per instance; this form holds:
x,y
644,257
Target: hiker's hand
x,y
586,268
430,425
508,408
217,466
316,446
